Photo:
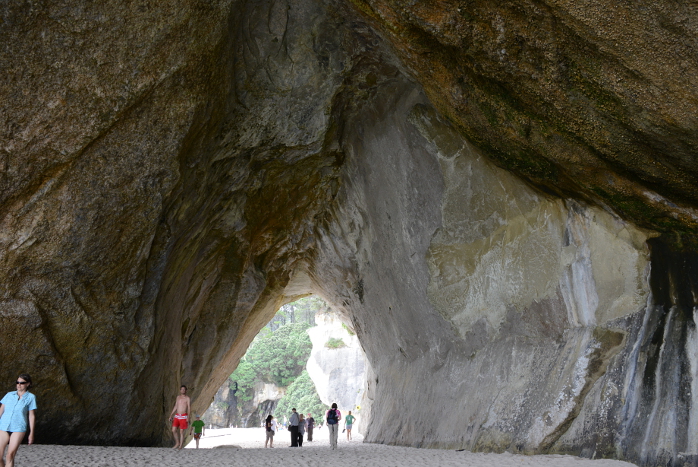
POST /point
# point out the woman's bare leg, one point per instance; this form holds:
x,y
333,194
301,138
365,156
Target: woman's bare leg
x,y
4,440
15,441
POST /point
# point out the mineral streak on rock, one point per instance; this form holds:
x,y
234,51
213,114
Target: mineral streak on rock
x,y
173,172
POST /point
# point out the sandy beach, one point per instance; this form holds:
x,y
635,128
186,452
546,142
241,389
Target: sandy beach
x,y
245,446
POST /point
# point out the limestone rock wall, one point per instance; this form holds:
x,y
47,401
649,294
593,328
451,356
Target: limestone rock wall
x,y
105,111
590,99
227,410
150,217
171,173
222,411
521,319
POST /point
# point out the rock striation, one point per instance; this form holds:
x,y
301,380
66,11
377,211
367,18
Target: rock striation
x,y
500,199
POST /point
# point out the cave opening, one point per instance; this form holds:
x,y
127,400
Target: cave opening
x,y
306,356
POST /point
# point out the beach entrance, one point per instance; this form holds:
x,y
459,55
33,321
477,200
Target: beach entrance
x,y
305,357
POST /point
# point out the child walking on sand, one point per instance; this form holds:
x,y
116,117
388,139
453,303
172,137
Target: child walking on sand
x,y
348,422
199,430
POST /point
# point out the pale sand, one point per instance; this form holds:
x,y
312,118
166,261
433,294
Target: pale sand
x,y
250,451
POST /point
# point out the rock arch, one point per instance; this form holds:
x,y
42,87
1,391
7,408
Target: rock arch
x,y
173,174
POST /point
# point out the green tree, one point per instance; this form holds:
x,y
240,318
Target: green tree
x,y
273,357
301,311
280,356
335,343
279,352
243,379
302,395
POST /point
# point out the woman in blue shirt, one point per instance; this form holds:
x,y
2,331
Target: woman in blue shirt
x,y
16,415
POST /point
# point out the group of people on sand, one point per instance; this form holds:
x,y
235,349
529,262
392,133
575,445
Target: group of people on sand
x,y
17,417
333,417
179,418
298,425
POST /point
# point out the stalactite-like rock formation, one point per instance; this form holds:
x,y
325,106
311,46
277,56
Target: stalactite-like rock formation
x,y
500,200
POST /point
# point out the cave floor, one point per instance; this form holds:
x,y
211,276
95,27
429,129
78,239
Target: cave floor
x,y
244,446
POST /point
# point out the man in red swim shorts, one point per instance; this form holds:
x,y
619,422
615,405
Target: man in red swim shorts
x,y
180,421
180,417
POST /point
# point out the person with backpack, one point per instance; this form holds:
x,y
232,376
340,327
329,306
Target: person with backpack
x,y
333,416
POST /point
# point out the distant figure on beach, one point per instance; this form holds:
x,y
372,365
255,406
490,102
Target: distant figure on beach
x,y
16,415
348,422
311,424
271,428
199,429
333,416
293,427
301,431
180,417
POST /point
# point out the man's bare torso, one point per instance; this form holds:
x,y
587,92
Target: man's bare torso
x,y
182,404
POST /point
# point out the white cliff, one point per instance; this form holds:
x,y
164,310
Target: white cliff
x,y
339,373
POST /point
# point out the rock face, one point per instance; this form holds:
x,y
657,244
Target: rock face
x,y
221,413
227,410
500,199
266,397
590,99
339,373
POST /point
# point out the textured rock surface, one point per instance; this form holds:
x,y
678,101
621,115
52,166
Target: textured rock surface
x,y
339,373
506,336
149,219
226,410
171,174
590,99
221,412
104,108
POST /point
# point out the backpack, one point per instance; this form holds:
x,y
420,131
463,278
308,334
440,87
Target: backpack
x,y
268,426
332,417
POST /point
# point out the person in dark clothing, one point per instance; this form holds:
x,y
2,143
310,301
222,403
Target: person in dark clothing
x,y
301,431
293,427
310,421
